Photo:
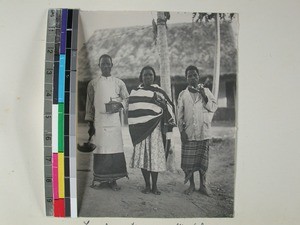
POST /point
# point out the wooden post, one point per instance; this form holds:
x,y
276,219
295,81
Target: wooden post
x,y
216,80
162,42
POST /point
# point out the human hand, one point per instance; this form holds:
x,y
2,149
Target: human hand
x,y
200,88
183,136
160,101
92,129
116,107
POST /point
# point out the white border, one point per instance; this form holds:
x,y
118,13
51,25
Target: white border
x,y
268,180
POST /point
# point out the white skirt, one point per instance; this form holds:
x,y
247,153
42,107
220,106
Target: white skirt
x,y
149,154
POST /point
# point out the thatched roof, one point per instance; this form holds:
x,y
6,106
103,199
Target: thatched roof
x,y
132,48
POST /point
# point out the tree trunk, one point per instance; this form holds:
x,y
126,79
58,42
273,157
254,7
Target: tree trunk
x,y
216,80
162,42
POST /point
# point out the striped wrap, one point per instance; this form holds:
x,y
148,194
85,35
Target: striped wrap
x,y
147,107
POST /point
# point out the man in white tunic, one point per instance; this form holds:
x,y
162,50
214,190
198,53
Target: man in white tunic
x,y
104,121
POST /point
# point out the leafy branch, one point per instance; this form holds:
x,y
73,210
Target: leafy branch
x,y
207,17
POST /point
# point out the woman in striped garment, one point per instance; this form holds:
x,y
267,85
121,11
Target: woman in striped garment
x,y
151,120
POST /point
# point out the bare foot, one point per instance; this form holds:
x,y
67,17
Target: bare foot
x,y
147,190
190,190
156,191
114,186
98,186
204,190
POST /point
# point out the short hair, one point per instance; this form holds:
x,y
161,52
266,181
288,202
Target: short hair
x,y
146,68
103,56
191,68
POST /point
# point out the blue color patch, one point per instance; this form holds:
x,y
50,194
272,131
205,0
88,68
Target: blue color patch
x,y
61,78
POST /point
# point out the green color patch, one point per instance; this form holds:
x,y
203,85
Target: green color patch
x,y
61,127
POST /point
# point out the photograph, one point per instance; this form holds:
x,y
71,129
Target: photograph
x,y
131,112
156,114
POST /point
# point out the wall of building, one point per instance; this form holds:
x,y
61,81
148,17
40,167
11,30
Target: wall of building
x,y
222,99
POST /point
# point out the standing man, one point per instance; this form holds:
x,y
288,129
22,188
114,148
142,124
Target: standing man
x,y
104,122
196,106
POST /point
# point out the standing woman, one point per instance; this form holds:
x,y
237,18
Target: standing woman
x,y
150,118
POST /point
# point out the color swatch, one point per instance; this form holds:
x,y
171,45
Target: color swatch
x,y
59,113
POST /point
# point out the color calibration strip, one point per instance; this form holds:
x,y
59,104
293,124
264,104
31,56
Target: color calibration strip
x,y
59,113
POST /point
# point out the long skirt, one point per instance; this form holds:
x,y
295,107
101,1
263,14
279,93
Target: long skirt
x,y
109,167
194,157
149,154
109,159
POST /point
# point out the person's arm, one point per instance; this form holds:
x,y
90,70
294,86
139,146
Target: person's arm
x,y
124,95
211,104
90,109
180,118
180,110
92,129
122,100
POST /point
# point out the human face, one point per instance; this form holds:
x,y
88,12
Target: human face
x,y
192,78
148,77
105,65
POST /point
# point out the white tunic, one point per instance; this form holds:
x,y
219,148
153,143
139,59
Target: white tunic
x,y
195,114
108,136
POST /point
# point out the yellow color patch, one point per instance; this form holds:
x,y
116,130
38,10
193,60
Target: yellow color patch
x,y
61,175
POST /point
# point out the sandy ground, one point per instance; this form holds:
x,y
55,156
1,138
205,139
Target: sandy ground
x,y
172,203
